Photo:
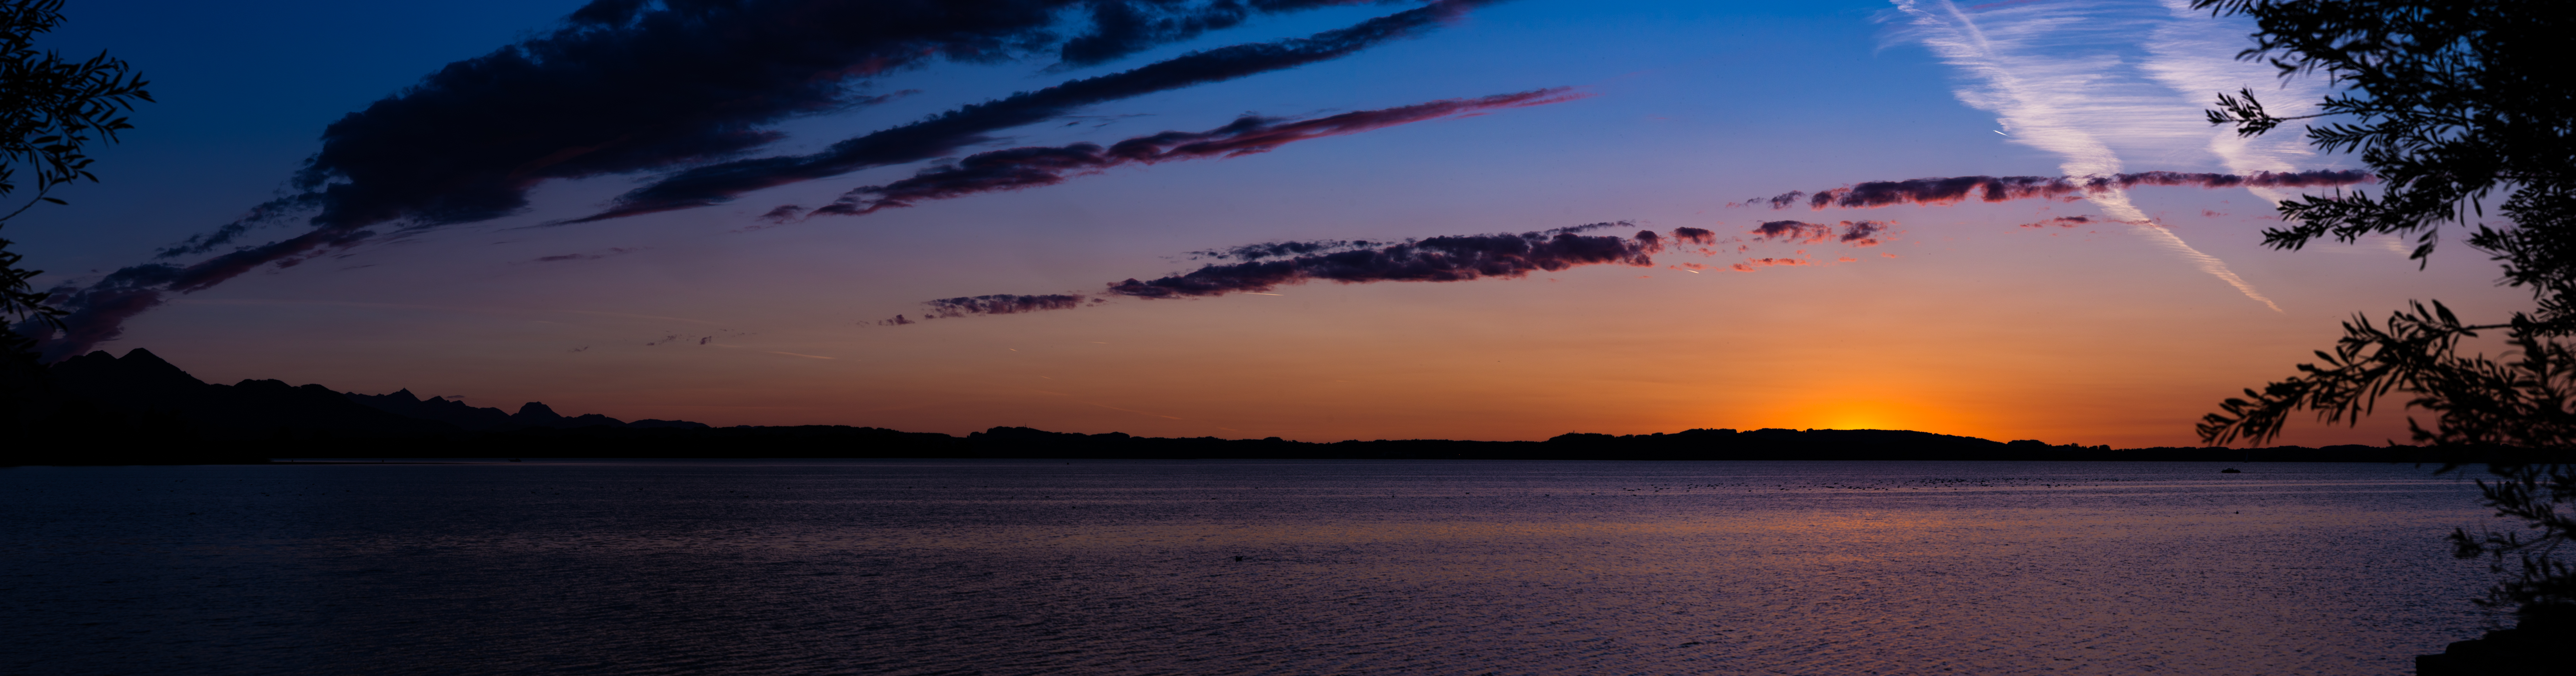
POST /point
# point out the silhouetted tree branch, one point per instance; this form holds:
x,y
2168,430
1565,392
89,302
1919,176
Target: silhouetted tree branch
x,y
50,110
2451,101
2449,104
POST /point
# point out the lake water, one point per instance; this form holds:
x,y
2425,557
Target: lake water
x,y
1242,567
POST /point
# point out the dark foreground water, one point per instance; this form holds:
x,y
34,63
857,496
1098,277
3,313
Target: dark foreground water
x,y
1296,567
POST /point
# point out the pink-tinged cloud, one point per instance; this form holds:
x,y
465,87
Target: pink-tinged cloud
x,y
1750,264
1029,167
1855,233
1796,232
1862,233
2066,222
1695,236
612,251
98,313
1649,242
1952,190
1254,252
1000,304
1437,259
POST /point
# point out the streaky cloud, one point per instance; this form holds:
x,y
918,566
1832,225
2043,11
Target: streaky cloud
x,y
1254,252
2066,222
1796,232
611,251
622,87
1122,28
1437,259
98,312
948,132
1855,233
2072,102
1457,258
1000,304
1862,233
1030,167
628,86
2193,53
1751,264
1955,189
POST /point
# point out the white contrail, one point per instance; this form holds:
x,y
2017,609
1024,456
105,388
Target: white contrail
x,y
2116,204
2195,55
2052,102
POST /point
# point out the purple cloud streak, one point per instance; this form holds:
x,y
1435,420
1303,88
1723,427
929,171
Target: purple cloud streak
x,y
1951,190
1029,167
1437,259
626,86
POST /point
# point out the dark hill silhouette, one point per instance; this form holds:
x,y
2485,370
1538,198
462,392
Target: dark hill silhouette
x,y
474,419
403,403
142,383
101,409
140,408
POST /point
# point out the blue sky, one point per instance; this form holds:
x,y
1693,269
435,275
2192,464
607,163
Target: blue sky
x,y
2118,333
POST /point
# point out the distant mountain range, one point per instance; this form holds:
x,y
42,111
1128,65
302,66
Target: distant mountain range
x,y
102,409
532,414
143,383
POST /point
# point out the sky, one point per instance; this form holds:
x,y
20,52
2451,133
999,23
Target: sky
x,y
1309,219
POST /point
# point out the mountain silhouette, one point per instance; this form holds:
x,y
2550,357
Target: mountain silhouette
x,y
142,384
478,419
403,403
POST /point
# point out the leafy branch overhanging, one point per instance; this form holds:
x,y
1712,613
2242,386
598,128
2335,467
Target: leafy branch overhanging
x,y
2449,103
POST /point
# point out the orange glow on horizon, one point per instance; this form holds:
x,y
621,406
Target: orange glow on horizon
x,y
1875,411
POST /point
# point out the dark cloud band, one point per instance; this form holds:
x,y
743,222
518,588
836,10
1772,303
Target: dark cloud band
x,y
629,86
1018,168
2067,222
1952,190
1002,304
1437,259
1855,233
949,132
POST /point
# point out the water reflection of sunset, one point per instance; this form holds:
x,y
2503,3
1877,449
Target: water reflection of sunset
x,y
912,247
2022,565
1294,566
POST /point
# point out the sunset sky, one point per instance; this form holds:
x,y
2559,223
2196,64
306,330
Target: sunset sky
x,y
597,218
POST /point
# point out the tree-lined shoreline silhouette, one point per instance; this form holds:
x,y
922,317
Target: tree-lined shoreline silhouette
x,y
141,409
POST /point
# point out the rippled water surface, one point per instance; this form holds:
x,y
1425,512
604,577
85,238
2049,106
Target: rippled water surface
x,y
1291,567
